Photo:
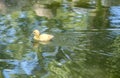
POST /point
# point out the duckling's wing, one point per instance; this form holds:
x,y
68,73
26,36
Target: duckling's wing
x,y
45,37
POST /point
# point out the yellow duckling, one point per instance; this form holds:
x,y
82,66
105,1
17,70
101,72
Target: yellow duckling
x,y
42,37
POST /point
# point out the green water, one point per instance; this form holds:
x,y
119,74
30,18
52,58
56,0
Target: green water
x,y
86,41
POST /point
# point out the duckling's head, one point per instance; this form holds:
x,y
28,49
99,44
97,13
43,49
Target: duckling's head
x,y
36,32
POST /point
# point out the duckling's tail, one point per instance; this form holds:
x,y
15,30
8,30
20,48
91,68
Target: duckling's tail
x,y
51,36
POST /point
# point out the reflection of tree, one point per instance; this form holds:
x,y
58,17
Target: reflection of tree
x,y
81,3
99,51
113,61
100,20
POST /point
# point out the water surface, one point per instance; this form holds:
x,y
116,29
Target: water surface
x,y
86,42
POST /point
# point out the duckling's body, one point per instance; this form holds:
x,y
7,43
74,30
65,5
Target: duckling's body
x,y
42,37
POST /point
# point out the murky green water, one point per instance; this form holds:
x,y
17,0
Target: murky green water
x,y
86,42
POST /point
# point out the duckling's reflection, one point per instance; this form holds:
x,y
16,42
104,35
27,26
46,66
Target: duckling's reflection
x,y
37,44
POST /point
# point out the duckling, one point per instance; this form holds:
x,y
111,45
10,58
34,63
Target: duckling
x,y
42,37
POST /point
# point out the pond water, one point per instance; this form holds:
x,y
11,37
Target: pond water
x,y
86,41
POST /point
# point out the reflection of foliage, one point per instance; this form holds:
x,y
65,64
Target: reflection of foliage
x,y
78,65
71,20
16,50
63,15
67,70
68,64
61,72
116,45
114,63
81,3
